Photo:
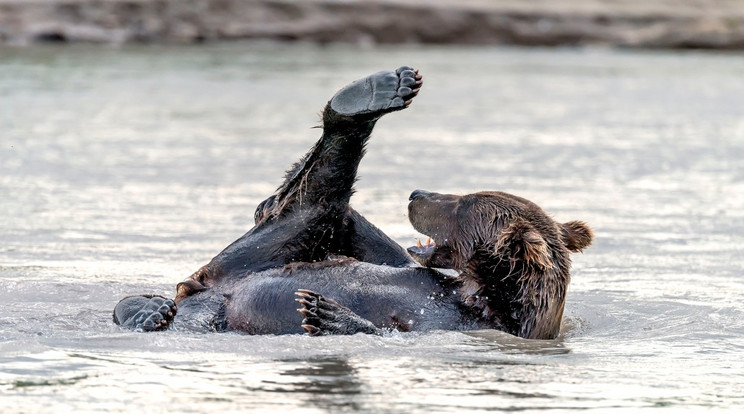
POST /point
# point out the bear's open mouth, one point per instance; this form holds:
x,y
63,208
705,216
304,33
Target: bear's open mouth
x,y
421,252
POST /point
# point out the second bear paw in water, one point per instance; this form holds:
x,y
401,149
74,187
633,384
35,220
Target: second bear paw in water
x,y
145,313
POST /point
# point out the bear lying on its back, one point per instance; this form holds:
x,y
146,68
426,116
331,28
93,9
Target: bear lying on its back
x,y
309,246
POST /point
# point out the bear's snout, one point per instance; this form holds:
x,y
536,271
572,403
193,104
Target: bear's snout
x,y
417,193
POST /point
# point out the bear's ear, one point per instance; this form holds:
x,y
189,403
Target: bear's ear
x,y
576,235
521,241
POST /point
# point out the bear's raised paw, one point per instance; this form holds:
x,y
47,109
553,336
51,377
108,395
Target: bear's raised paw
x,y
379,93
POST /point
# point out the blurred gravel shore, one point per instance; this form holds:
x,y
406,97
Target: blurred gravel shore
x,y
706,24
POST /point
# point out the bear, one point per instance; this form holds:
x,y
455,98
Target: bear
x,y
310,248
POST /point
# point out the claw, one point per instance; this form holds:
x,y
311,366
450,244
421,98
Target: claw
x,y
312,330
303,302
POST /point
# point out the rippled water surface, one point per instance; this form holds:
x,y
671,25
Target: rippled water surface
x,y
124,170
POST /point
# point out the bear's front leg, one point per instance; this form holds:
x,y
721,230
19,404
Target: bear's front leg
x,y
325,316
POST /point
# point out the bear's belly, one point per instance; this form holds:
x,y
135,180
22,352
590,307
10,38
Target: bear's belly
x,y
397,298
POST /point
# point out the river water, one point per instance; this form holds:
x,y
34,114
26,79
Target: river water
x,y
122,170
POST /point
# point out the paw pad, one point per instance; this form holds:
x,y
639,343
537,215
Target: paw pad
x,y
379,93
145,313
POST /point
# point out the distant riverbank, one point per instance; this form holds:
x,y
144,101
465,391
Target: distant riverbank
x,y
705,24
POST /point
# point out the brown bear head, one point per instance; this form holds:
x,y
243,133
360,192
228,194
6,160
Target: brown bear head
x,y
512,258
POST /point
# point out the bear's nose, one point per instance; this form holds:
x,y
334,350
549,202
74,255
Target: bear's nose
x,y
416,194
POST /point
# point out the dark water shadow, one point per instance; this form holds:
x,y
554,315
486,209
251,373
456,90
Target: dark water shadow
x,y
21,384
324,383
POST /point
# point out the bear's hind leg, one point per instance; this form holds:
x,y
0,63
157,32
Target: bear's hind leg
x,y
326,174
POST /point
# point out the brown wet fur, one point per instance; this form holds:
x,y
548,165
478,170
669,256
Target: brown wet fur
x,y
512,257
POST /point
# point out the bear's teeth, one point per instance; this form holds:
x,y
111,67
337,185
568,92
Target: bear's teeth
x,y
429,243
